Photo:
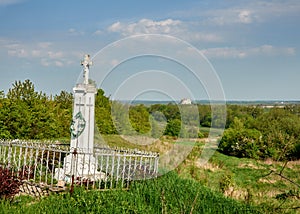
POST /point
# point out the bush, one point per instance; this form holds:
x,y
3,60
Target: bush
x,y
9,184
296,152
241,143
173,128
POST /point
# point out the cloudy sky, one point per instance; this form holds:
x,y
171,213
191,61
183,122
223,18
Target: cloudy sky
x,y
252,45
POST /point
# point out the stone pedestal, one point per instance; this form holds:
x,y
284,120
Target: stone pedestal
x,y
81,166
82,127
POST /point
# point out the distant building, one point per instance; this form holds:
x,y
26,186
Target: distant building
x,y
185,101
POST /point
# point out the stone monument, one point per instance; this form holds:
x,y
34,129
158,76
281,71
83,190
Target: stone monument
x,y
82,126
81,163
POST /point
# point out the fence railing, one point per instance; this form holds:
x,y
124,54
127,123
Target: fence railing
x,y
54,165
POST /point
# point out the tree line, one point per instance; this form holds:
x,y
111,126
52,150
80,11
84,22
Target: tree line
x,y
256,132
251,131
28,114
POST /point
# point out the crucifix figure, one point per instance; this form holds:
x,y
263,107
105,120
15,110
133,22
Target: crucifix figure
x,y
86,63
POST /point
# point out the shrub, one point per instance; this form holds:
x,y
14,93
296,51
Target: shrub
x,y
9,184
241,143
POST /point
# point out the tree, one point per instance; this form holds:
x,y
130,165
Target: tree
x,y
21,101
103,114
270,134
281,132
120,117
241,142
173,127
139,118
4,111
29,114
172,112
205,115
62,110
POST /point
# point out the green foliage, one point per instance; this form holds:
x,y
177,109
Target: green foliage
x,y
280,130
295,153
257,134
103,115
173,127
241,142
120,117
247,114
158,125
226,182
139,118
169,111
205,115
62,110
27,114
4,112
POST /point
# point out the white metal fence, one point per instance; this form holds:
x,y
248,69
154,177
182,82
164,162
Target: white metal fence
x,y
55,166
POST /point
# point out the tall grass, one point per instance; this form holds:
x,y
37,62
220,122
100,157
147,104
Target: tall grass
x,y
167,194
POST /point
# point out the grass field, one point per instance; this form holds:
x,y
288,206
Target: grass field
x,y
224,185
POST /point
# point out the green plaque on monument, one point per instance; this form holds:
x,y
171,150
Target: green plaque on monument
x,y
77,125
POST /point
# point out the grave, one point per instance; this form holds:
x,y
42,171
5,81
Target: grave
x,y
50,165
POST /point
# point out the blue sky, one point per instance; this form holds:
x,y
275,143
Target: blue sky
x,y
253,45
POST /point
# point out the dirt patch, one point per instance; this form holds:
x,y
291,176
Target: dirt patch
x,y
264,180
249,165
293,164
268,161
160,146
238,194
210,166
139,140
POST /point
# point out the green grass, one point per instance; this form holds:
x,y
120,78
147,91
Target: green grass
x,y
248,179
167,194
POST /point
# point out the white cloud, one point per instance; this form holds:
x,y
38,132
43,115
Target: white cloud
x,y
75,32
198,36
245,17
44,44
44,62
231,16
36,53
44,53
145,26
232,52
115,27
18,53
55,55
58,63
245,12
98,32
172,27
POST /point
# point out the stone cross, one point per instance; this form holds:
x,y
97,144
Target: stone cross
x,y
81,162
86,63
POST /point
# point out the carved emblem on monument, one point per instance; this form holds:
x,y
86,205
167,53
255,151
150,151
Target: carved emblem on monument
x,y
77,125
